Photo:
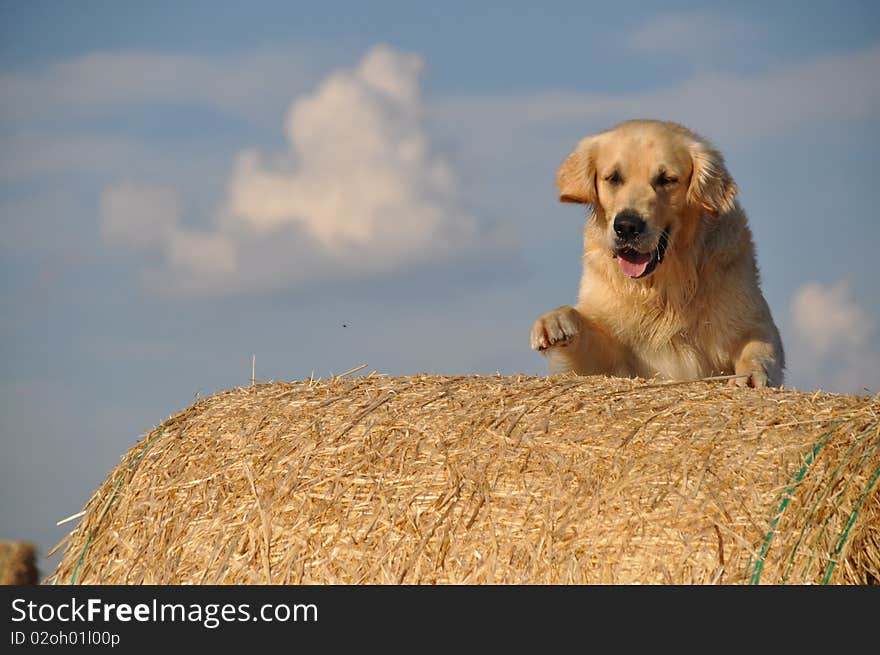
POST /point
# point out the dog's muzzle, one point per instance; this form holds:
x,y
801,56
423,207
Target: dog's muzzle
x,y
632,262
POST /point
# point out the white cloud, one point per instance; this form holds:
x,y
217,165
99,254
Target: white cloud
x,y
361,189
826,317
726,107
53,117
689,32
834,343
146,218
240,83
366,177
139,216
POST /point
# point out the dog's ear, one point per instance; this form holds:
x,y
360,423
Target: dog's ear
x,y
576,176
711,187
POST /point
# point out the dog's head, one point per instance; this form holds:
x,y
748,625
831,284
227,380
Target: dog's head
x,y
649,182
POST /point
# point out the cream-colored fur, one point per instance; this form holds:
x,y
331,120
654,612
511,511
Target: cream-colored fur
x,y
700,312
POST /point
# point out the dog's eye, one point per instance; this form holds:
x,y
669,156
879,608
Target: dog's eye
x,y
614,178
664,180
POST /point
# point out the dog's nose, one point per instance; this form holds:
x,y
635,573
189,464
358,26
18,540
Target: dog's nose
x,y
628,225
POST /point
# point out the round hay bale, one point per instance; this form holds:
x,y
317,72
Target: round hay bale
x,y
492,480
17,563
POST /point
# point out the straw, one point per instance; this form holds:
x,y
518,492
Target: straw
x,y
492,479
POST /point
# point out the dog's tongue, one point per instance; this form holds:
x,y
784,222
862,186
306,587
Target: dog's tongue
x,y
633,263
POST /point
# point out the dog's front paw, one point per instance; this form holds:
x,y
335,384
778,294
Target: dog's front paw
x,y
558,328
760,365
756,380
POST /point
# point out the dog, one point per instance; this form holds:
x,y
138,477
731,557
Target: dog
x,y
670,286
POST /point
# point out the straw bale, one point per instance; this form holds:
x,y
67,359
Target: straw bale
x,y
17,563
518,479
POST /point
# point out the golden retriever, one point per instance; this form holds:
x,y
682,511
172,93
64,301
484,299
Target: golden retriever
x,y
670,284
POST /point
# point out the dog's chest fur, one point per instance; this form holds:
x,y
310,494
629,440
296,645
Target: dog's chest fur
x,y
673,336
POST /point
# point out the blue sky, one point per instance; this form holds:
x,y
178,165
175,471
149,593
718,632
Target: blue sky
x,y
186,184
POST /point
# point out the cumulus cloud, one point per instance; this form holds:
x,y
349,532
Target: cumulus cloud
x,y
834,340
53,116
360,189
146,218
826,317
366,178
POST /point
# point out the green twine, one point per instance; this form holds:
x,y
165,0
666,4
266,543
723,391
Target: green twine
x,y
852,519
79,562
831,514
134,462
759,564
825,492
